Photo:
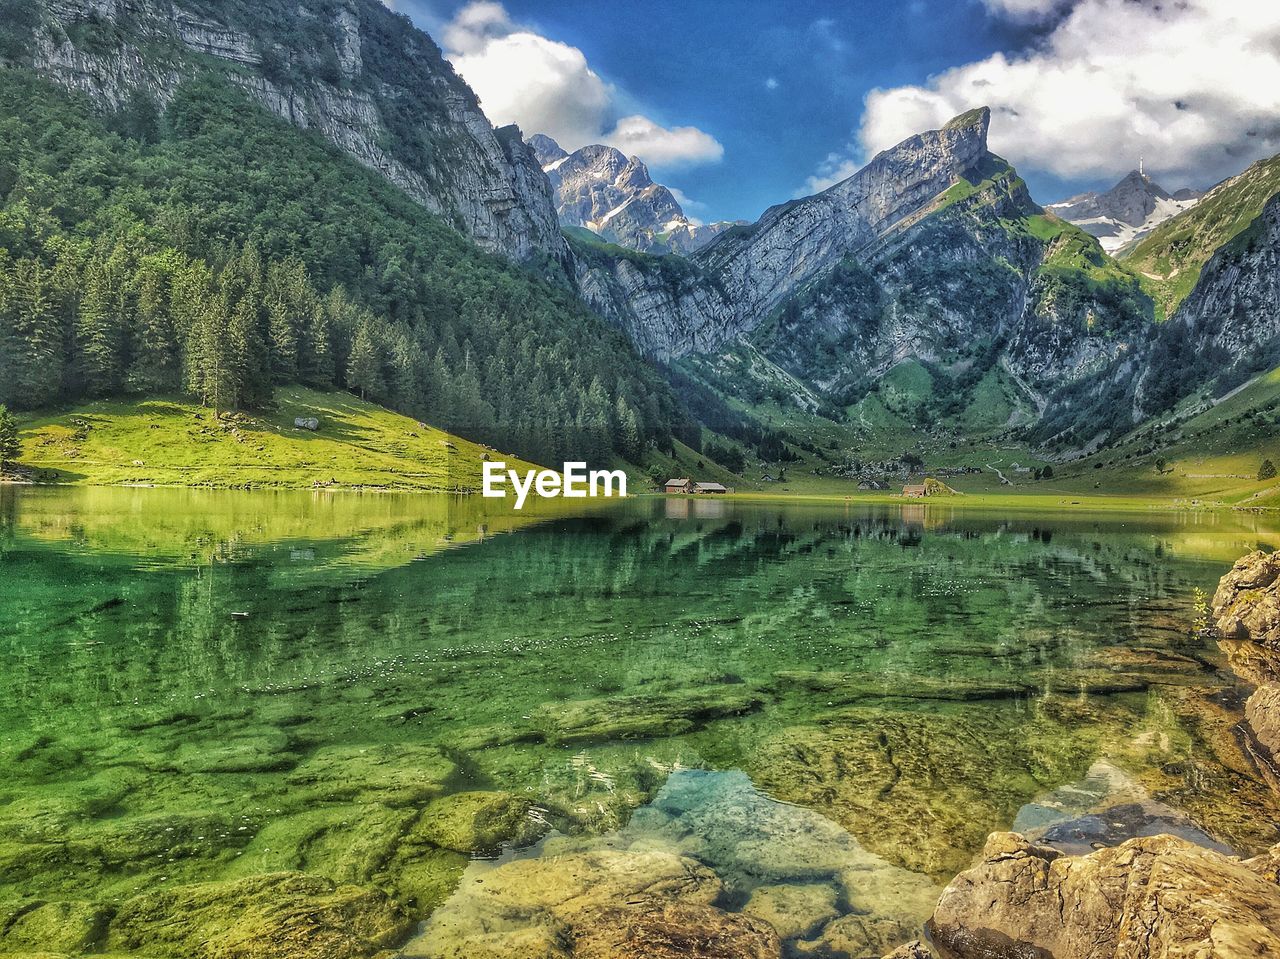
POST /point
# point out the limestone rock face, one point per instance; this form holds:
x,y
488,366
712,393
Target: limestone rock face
x,y
794,242
376,88
1234,306
1247,609
1149,897
735,281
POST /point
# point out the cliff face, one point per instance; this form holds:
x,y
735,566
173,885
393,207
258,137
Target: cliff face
x,y
666,306
792,243
351,70
754,268
1235,306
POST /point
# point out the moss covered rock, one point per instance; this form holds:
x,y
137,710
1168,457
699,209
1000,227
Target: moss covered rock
x,y
477,822
55,927
668,713
281,914
398,775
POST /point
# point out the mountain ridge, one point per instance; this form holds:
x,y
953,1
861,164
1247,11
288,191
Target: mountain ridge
x,y
599,188
353,70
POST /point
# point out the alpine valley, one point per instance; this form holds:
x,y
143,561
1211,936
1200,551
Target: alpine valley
x,y
338,213
266,263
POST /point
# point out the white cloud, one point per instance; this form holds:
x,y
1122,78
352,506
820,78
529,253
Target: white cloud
x,y
771,83
663,146
1028,11
548,87
1193,85
832,170
687,203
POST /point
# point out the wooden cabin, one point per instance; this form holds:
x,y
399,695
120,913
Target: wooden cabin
x,y
915,492
678,486
709,488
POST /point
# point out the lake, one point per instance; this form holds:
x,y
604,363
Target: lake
x,y
420,714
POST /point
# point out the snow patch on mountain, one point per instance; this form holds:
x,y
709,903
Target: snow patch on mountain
x,y
600,188
1127,212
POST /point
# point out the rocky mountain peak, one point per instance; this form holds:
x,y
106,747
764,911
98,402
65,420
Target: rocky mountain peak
x,y
546,150
603,190
1127,212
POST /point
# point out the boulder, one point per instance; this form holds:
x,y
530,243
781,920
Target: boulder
x,y
477,822
306,422
1150,897
1247,609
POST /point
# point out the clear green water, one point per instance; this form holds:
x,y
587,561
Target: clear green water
x,y
410,694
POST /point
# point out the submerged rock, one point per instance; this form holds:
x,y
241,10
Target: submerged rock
x,y
921,790
643,716
857,936
795,911
53,926
1148,897
477,822
592,905
397,775
279,914
673,931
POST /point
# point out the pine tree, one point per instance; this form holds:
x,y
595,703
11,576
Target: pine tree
x,y
630,438
1267,470
36,325
209,373
250,364
155,354
10,441
99,332
364,368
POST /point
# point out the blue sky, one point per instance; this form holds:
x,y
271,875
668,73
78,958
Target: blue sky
x,y
748,103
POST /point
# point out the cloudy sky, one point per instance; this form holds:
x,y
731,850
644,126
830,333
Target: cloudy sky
x,y
740,104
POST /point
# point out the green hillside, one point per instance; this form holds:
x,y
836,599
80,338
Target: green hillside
x,y
1169,259
218,252
1207,452
172,442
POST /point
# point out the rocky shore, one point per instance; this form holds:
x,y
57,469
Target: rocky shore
x,y
1158,896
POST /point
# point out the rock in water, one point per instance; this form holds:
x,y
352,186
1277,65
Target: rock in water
x,y
278,914
1247,609
620,905
1149,897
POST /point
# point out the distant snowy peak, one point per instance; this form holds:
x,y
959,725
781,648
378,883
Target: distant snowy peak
x,y
600,188
1127,212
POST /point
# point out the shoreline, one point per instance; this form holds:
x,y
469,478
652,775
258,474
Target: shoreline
x,y
1056,502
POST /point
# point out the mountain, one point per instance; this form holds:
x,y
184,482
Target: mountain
x,y
934,254
1171,256
351,70
1127,212
180,216
602,190
1222,289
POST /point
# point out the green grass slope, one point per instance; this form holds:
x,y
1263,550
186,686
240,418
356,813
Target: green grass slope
x,y
1170,258
171,442
1202,452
